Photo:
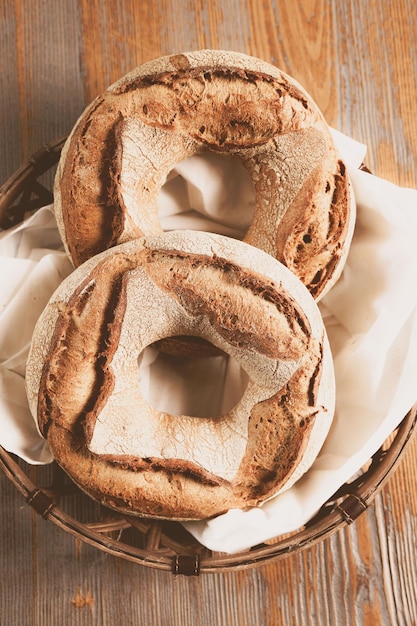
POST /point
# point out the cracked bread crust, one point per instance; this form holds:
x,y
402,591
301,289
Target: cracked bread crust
x,y
124,145
82,376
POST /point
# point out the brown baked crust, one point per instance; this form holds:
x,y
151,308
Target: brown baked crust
x,y
237,297
128,140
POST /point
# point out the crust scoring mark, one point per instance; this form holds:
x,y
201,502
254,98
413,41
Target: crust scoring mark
x,y
279,429
251,107
213,287
78,371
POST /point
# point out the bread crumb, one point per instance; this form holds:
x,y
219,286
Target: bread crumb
x,y
80,601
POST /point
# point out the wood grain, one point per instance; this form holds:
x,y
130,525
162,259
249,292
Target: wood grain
x,y
359,61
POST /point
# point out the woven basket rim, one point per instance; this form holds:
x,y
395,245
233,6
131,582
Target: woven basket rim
x,y
23,192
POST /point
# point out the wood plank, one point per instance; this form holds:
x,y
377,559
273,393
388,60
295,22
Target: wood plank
x,y
10,150
42,90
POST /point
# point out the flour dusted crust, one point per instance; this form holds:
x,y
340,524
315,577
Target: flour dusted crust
x,y
82,376
124,145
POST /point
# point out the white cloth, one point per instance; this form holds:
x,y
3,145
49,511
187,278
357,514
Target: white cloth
x,y
31,267
370,316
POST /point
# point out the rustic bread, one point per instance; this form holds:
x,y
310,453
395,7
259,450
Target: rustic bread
x,y
127,141
82,376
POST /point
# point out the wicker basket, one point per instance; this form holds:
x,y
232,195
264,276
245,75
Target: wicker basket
x,y
167,545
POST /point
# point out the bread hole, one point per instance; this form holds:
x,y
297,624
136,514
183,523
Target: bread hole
x,y
199,386
208,192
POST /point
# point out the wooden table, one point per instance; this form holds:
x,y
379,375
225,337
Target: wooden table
x,y
359,62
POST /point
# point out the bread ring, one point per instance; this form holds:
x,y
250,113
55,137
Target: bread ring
x,y
82,376
126,142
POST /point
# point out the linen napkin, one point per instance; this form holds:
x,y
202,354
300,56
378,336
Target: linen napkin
x,y
370,316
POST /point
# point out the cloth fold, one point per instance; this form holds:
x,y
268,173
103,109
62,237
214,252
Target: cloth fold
x,y
370,317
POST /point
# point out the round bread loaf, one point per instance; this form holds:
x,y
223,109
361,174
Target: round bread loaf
x,y
82,376
129,139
